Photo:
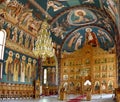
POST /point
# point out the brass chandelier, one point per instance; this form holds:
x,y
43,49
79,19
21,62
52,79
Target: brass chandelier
x,y
43,45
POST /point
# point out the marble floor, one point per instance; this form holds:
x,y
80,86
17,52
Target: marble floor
x,y
54,98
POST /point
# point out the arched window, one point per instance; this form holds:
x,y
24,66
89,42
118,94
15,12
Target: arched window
x,y
2,43
45,76
2,46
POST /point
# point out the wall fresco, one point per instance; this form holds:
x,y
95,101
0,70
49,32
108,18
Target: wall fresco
x,y
19,68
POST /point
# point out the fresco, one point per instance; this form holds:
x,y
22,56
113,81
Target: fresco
x,y
81,17
54,7
18,14
92,35
18,36
67,23
19,68
111,7
70,20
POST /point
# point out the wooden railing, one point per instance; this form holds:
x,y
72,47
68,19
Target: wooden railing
x,y
9,90
50,90
16,90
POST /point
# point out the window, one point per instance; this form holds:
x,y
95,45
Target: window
x,y
45,76
2,43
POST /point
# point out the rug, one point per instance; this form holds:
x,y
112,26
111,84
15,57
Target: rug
x,y
77,99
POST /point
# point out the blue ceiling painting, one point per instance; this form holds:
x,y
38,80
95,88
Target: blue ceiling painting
x,y
112,8
80,17
69,20
90,35
56,6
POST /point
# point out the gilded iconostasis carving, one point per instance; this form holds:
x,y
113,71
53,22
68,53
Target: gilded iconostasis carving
x,y
89,63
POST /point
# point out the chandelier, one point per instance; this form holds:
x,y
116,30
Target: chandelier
x,y
43,45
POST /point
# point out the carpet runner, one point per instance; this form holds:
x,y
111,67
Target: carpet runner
x,y
77,99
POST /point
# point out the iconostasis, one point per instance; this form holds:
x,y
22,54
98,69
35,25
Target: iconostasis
x,y
88,63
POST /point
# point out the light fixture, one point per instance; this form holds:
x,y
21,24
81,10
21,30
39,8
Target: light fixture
x,y
43,45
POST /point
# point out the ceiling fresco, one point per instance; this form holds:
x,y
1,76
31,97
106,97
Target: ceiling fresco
x,y
80,17
70,20
111,7
56,6
90,35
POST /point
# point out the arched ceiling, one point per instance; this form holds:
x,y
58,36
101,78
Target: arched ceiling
x,y
71,21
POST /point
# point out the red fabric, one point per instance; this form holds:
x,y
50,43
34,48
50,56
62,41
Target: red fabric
x,y
92,41
77,99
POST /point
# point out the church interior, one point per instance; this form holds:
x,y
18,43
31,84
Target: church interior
x,y
59,50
